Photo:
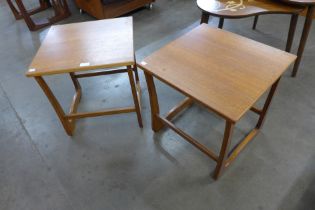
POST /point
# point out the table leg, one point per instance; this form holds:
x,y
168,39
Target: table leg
x,y
76,98
221,22
54,102
204,18
224,159
134,95
139,91
229,126
306,30
267,104
255,22
157,124
135,69
293,22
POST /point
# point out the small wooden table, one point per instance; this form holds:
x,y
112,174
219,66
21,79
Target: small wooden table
x,y
224,72
77,47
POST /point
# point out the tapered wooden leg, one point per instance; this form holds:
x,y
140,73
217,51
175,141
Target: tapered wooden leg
x,y
221,22
54,102
134,95
229,126
157,124
204,18
135,69
76,98
267,104
255,22
306,30
293,22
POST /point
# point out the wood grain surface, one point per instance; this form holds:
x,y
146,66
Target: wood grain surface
x,y
225,72
85,46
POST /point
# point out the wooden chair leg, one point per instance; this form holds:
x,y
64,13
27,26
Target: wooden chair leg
x,y
221,23
54,102
255,22
204,18
229,126
157,124
267,104
293,22
134,95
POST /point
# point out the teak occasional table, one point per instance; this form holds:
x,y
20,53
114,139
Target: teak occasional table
x,y
224,72
73,48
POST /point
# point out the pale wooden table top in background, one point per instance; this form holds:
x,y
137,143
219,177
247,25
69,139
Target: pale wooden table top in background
x,y
226,72
92,44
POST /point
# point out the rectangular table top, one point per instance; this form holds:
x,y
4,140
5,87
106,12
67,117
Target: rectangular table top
x,y
226,72
85,46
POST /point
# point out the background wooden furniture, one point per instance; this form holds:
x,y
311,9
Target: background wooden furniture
x,y
43,4
305,12
224,72
77,47
60,7
102,9
309,16
310,4
248,8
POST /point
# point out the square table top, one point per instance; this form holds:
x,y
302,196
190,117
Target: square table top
x,y
85,46
226,72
